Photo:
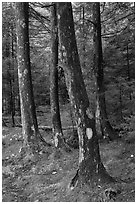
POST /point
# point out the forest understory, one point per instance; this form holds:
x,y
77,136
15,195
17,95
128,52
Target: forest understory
x,y
68,68
46,177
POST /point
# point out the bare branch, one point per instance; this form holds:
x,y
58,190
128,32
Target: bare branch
x,y
39,17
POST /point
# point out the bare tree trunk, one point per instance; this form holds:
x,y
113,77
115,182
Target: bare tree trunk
x,y
84,36
99,73
28,113
3,105
12,78
91,169
23,60
54,96
12,105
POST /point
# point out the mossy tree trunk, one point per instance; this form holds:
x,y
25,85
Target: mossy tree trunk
x,y
91,169
108,130
28,113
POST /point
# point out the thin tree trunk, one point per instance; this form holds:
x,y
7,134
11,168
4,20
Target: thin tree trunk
x,y
54,96
18,105
12,79
91,169
99,74
84,36
12,109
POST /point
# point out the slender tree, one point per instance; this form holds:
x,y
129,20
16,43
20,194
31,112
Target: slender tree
x,y
28,114
12,101
101,113
91,169
54,96
11,79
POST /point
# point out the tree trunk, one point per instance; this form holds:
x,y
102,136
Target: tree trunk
x,y
12,105
84,38
99,128
28,113
91,169
99,74
54,96
12,78
3,105
18,105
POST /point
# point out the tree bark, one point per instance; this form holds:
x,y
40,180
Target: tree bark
x,y
99,128
108,130
84,37
12,104
12,78
91,169
28,113
54,96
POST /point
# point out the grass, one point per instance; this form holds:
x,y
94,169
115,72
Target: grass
x,y
45,178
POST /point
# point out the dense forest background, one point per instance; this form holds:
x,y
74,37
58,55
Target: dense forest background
x,y
48,159
118,35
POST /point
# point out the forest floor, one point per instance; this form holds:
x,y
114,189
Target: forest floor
x,y
45,178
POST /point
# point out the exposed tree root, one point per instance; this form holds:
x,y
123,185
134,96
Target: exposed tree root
x,y
74,181
95,180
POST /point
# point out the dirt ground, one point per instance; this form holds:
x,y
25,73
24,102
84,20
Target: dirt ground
x,y
45,178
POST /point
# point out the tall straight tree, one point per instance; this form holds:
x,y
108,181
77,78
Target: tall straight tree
x,y
54,96
28,113
91,169
12,81
101,113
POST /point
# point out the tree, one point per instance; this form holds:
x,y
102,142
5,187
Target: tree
x,y
118,31
8,47
54,96
28,114
91,169
101,113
